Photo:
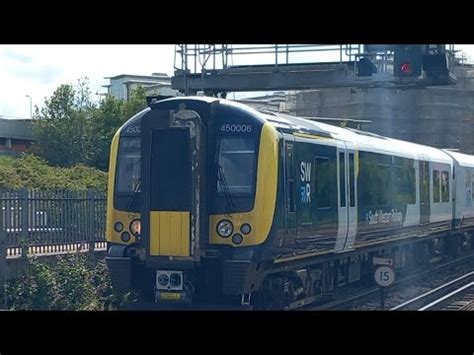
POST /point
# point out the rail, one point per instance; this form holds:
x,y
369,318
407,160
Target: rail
x,y
439,295
348,302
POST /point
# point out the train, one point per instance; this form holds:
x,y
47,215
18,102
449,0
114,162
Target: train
x,y
213,202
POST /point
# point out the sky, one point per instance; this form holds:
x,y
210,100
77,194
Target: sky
x,y
37,70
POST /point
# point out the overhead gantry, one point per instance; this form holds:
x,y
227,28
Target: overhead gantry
x,y
211,69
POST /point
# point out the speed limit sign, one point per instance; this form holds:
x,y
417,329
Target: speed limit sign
x,y
384,276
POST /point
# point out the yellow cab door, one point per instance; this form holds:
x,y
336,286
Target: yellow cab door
x,y
170,162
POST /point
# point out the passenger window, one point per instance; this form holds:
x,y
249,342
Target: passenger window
x,y
383,193
411,182
289,177
374,183
436,186
405,183
472,187
342,178
445,186
351,180
291,198
323,178
425,182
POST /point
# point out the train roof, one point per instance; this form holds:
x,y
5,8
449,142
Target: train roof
x,y
362,140
461,158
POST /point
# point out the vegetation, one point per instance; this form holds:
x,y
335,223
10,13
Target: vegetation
x,y
69,283
72,136
30,171
72,129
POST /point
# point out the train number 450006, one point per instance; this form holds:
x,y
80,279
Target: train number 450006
x,y
236,128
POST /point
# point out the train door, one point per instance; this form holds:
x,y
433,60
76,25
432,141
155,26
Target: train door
x,y
342,197
424,172
289,189
171,181
347,191
352,166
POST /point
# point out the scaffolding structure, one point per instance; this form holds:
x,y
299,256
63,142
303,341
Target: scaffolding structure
x,y
217,69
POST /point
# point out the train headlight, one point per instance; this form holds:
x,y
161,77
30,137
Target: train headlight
x,y
118,227
225,228
125,236
237,239
169,280
135,227
175,280
245,228
163,279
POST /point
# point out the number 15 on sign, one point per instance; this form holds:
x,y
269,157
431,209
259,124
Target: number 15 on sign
x,y
384,276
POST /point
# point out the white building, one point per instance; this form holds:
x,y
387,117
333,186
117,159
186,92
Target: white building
x,y
157,84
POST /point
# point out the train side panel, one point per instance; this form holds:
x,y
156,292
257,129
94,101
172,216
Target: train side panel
x,y
395,193
463,189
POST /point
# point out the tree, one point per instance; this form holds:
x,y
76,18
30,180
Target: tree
x,y
111,114
71,129
62,131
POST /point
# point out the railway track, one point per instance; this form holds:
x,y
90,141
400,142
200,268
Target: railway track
x,y
347,303
466,304
455,295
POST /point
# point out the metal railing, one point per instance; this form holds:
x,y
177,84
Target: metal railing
x,y
202,58
51,221
199,58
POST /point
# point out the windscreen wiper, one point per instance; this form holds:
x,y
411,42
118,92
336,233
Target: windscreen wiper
x,y
135,194
225,188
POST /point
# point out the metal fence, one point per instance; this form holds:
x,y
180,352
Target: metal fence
x,y
52,221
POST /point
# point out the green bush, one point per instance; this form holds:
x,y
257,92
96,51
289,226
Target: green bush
x,y
29,171
69,283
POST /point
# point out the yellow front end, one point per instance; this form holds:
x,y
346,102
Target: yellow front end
x,y
260,218
114,235
170,231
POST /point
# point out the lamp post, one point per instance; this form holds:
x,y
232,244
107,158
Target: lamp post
x,y
31,106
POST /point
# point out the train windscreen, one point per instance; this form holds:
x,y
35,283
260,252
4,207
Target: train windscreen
x,y
127,175
236,165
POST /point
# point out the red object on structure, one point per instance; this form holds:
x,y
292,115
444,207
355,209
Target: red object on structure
x,y
406,69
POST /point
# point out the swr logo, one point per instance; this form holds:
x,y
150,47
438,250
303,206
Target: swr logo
x,y
305,176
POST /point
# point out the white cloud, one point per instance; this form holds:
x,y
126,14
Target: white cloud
x,y
37,70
